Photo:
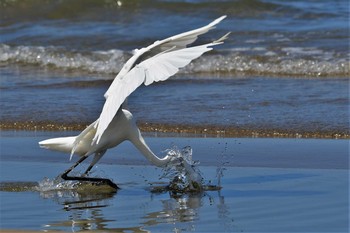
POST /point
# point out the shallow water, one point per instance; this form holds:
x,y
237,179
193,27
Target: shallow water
x,y
252,200
268,185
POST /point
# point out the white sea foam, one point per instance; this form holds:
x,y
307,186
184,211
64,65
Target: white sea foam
x,y
288,61
109,61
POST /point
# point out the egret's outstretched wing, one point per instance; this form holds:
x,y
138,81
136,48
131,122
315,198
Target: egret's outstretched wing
x,y
176,42
181,40
157,68
172,54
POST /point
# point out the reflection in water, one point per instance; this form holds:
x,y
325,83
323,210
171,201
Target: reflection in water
x,y
176,209
85,211
83,203
92,211
224,213
176,205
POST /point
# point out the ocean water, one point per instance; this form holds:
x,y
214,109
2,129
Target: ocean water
x,y
284,71
288,38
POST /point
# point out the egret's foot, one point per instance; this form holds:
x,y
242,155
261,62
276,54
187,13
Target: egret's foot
x,y
91,179
110,183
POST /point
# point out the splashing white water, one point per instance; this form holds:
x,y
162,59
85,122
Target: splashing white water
x,y
182,171
47,185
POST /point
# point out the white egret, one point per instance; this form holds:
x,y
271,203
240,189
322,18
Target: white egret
x,y
115,124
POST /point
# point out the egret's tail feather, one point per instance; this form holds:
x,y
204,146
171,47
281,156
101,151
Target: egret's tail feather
x,y
63,144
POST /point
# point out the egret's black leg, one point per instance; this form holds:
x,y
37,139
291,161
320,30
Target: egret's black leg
x,y
91,179
97,157
65,174
88,170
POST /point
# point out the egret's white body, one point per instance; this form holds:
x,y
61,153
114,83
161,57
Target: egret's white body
x,y
121,128
115,124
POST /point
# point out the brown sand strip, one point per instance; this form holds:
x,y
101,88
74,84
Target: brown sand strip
x,y
185,130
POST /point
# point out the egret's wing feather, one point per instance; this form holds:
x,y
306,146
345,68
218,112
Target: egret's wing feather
x,y
83,135
175,42
183,39
178,41
154,69
120,89
171,54
160,68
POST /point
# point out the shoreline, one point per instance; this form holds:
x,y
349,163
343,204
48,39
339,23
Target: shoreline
x,y
186,130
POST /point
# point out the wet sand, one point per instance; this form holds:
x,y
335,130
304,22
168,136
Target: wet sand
x,y
268,185
186,130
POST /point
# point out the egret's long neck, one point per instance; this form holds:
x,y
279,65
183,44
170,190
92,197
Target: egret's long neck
x,y
141,145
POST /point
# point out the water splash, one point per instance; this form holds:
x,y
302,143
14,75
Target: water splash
x,y
183,172
56,184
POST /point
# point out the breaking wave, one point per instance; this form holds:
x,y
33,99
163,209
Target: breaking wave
x,y
236,61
